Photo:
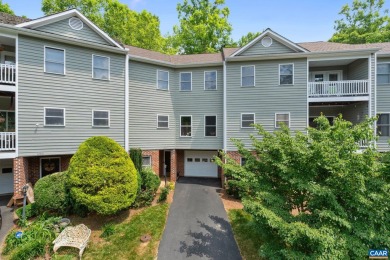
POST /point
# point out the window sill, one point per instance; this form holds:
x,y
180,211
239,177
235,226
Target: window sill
x,y
248,86
160,89
101,79
53,73
185,136
100,126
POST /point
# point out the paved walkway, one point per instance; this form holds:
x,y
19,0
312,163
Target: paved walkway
x,y
197,226
8,217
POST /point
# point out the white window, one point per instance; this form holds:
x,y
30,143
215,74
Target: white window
x,y
162,80
210,125
185,126
162,121
210,80
100,118
383,73
282,118
100,67
383,125
146,161
185,81
247,120
54,116
247,76
286,74
54,60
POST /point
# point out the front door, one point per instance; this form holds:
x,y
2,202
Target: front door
x,y
167,163
320,76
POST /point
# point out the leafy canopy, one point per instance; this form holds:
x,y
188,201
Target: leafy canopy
x,y
203,26
5,8
244,40
365,21
315,195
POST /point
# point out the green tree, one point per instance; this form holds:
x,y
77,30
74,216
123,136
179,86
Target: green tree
x,y
5,8
244,40
365,21
315,195
203,26
117,20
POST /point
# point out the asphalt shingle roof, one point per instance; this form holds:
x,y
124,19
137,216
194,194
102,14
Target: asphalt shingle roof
x,y
12,19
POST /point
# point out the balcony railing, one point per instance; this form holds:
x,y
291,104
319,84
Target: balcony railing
x,y
7,141
345,88
7,74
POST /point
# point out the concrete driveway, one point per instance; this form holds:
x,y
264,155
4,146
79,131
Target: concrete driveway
x,y
197,226
8,217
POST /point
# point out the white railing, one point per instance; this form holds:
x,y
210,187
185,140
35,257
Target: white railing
x,y
7,141
345,88
7,73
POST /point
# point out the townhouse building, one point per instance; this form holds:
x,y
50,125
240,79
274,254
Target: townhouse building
x,y
62,80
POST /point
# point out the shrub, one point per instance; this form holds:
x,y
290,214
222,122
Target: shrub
x,y
102,176
164,194
136,157
51,193
29,250
31,211
149,187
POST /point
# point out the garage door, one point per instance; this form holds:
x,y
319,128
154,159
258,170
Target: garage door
x,y
200,164
6,176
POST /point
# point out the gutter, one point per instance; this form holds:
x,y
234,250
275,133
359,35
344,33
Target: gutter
x,y
175,66
127,112
224,109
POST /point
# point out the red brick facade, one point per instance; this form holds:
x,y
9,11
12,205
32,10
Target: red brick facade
x,y
154,160
173,165
180,162
20,174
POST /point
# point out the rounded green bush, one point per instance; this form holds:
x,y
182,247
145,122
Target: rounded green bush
x,y
102,176
51,193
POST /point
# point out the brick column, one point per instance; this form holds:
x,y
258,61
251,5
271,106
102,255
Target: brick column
x,y
20,174
173,165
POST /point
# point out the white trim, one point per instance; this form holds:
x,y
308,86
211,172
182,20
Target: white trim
x,y
326,73
254,76
184,90
283,113
17,96
264,45
162,121
293,74
150,160
224,110
67,14
101,126
254,120
109,66
44,59
189,136
40,164
216,80
273,36
338,99
216,126
78,19
167,71
44,116
375,95
127,112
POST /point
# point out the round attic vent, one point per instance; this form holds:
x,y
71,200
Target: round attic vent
x,y
75,23
266,41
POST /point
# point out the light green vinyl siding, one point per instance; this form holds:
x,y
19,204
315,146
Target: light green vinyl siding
x,y
259,49
266,98
355,112
76,91
358,70
62,28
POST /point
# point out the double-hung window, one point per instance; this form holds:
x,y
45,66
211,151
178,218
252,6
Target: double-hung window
x,y
383,73
54,116
100,67
383,125
100,118
286,74
282,118
248,76
54,60
185,81
210,125
185,126
162,121
162,80
247,120
210,80
146,161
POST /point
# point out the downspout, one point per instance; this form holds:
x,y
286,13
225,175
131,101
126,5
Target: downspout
x,y
127,147
224,109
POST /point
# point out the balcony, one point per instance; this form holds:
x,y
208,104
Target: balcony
x,y
352,90
7,74
7,141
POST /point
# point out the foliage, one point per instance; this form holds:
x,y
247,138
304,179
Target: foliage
x,y
315,195
244,40
31,211
108,230
5,8
136,157
164,194
137,29
51,193
203,26
364,21
102,176
149,187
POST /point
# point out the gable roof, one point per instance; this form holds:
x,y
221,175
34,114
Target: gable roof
x,y
12,19
276,36
63,15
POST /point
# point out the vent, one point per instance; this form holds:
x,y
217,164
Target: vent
x,y
266,41
76,24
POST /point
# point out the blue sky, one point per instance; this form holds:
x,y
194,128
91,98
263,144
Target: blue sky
x,y
299,21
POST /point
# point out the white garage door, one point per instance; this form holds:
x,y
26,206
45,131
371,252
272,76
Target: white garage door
x,y
200,164
6,176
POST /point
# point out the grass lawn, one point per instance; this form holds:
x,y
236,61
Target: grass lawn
x,y
247,238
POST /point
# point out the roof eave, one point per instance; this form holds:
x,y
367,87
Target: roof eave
x,y
175,65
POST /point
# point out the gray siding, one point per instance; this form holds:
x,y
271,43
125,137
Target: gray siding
x,y
358,70
259,49
344,70
266,98
146,102
354,112
383,106
76,91
62,28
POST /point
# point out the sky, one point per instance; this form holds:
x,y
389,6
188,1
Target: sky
x,y
299,21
